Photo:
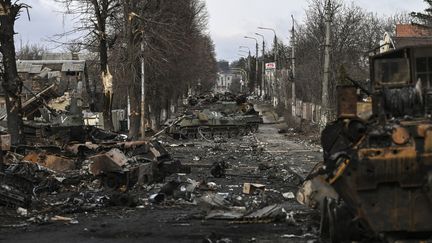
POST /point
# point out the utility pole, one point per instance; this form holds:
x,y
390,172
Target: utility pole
x,y
293,84
257,70
247,64
263,80
248,69
143,123
275,53
256,63
263,74
325,106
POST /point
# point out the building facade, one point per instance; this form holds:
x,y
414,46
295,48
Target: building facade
x,y
224,81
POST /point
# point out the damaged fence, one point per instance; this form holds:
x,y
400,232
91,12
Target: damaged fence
x,y
307,111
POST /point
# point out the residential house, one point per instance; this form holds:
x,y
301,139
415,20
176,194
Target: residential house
x,y
224,81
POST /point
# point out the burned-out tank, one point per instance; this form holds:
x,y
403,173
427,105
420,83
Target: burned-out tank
x,y
212,123
376,179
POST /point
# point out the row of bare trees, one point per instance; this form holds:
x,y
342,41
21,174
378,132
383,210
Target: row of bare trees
x,y
354,33
169,37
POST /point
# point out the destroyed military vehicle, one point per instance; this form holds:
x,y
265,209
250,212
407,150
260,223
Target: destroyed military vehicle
x,y
212,123
215,115
375,182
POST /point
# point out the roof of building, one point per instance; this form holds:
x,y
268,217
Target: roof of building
x,y
400,50
35,66
73,66
401,42
70,56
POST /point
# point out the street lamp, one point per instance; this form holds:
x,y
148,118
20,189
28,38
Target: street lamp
x,y
249,69
263,63
143,123
245,47
275,42
256,62
275,52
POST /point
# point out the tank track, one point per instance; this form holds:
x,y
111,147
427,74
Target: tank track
x,y
193,132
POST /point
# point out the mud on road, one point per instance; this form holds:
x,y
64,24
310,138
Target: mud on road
x,y
277,161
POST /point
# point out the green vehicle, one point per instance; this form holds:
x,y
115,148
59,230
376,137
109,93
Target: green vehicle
x,y
212,123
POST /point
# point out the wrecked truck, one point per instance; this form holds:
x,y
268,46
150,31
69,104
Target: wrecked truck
x,y
375,182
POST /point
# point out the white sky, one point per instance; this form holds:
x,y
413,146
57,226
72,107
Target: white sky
x,y
229,21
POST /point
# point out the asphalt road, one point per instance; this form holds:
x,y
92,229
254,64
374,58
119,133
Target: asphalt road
x,y
276,160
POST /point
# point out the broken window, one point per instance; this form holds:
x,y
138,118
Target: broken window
x,y
70,73
392,71
424,70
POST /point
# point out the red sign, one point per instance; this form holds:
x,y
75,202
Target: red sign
x,y
270,65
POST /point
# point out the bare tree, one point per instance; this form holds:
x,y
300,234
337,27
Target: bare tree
x,y
178,54
354,33
12,84
424,18
31,52
94,19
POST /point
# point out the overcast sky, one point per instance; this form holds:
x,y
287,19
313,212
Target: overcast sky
x,y
230,20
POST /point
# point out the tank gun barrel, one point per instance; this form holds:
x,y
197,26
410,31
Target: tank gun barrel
x,y
358,85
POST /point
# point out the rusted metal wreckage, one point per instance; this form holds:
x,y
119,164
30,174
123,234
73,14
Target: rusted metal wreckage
x,y
119,165
376,178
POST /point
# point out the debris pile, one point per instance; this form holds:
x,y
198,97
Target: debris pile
x,y
70,175
99,169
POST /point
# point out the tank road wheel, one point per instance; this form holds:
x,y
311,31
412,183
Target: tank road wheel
x,y
242,131
176,136
237,131
206,132
233,132
221,132
248,129
226,132
190,135
255,128
183,133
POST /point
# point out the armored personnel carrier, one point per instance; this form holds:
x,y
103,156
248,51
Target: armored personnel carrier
x,y
212,123
376,179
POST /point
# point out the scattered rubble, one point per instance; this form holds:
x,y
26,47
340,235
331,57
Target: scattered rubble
x,y
86,172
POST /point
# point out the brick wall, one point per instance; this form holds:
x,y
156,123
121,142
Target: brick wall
x,y
412,30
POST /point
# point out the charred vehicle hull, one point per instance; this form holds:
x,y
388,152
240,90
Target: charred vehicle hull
x,y
381,166
227,119
195,126
383,179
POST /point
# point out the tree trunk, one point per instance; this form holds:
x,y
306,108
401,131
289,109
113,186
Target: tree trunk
x,y
90,93
103,55
135,116
132,76
12,84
